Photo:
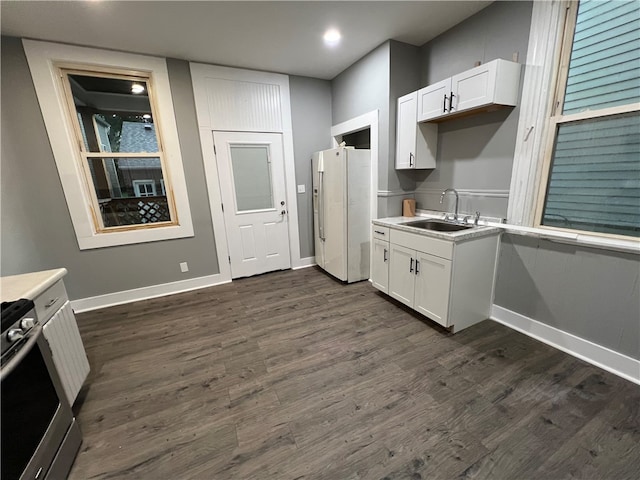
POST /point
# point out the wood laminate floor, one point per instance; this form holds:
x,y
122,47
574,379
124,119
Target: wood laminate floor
x,y
293,375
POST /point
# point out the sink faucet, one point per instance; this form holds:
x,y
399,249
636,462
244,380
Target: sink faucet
x,y
455,217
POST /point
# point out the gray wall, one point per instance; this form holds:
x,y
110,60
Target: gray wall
x,y
362,88
591,293
404,77
475,153
374,83
37,233
311,118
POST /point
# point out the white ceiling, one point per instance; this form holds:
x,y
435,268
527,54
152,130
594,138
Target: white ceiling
x,y
283,37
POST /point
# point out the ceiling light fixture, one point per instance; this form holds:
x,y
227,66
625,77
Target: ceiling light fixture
x,y
137,88
332,37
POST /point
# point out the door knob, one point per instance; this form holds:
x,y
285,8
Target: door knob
x,y
283,212
282,203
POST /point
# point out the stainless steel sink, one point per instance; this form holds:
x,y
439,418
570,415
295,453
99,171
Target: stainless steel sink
x,y
437,225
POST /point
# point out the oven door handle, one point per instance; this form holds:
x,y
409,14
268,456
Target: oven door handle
x,y
23,352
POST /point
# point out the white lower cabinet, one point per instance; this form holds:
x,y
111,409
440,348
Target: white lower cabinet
x,y
60,329
450,282
433,277
420,281
380,258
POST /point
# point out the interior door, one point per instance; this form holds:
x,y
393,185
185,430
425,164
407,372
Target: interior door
x,y
252,184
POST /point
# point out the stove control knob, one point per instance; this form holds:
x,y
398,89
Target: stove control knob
x,y
14,335
27,323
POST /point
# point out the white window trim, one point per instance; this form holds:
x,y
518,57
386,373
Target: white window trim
x,y
543,54
137,183
42,57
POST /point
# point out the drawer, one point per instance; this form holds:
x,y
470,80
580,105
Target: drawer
x,y
380,232
50,301
422,243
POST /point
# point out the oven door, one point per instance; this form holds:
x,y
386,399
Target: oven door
x,y
34,419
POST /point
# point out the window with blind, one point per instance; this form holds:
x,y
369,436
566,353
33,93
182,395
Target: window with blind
x,y
593,171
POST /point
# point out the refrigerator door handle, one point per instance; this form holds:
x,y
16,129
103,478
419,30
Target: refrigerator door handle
x,y
321,205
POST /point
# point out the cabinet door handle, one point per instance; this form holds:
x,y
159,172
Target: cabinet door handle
x,y
384,255
410,159
444,104
379,232
51,302
417,266
451,101
411,266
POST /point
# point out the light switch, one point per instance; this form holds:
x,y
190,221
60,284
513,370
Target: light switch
x,y
301,188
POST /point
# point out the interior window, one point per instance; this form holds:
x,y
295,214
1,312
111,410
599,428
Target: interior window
x,y
120,148
593,174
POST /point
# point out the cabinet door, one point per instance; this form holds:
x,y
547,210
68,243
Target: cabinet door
x,y
406,131
474,88
402,274
380,265
432,287
433,101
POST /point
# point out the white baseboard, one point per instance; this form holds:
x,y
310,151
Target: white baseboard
x,y
304,263
145,293
602,357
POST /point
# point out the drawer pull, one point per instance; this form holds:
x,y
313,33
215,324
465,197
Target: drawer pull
x,y
52,302
379,232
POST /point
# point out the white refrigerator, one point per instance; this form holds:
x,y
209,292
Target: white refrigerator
x,y
341,212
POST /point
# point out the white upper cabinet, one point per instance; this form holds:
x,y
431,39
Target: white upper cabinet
x,y
406,132
434,100
494,83
416,144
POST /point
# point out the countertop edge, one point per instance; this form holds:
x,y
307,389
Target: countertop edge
x,y
29,285
463,235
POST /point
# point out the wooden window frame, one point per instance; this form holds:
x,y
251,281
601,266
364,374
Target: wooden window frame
x,y
557,118
85,155
45,60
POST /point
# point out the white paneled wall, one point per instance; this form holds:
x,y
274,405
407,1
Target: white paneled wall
x,y
244,106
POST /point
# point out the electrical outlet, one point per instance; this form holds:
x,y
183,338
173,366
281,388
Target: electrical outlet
x,y
184,267
301,188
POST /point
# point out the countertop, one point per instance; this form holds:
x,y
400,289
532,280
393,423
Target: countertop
x,y
28,285
396,223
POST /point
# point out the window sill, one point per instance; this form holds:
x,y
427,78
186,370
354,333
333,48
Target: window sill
x,y
116,238
583,240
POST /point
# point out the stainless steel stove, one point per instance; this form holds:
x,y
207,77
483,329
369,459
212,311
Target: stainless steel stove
x,y
40,437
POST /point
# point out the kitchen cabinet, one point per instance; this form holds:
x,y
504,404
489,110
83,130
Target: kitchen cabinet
x,y
433,100
60,329
495,83
416,144
447,278
418,279
380,258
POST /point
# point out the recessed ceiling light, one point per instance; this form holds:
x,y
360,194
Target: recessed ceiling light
x,y
137,88
332,37
146,116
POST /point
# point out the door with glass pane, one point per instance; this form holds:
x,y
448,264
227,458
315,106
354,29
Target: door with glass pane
x,y
252,184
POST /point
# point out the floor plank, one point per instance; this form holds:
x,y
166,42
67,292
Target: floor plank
x,y
294,375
